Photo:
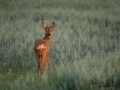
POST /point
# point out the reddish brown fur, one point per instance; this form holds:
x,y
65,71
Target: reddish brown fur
x,y
41,47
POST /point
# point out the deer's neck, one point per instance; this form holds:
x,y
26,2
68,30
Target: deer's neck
x,y
47,39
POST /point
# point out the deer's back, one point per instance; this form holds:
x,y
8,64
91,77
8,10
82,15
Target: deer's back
x,y
40,46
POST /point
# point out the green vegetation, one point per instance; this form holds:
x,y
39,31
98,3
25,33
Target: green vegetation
x,y
84,51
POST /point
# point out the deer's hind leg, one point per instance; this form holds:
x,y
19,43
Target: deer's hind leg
x,y
42,63
38,63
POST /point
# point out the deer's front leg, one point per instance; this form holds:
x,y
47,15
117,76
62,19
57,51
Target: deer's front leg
x,y
46,62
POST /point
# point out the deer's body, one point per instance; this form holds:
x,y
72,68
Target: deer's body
x,y
41,47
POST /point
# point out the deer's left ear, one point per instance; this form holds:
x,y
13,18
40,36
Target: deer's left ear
x,y
52,24
44,25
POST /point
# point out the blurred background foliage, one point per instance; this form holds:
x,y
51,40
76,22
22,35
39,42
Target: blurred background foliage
x,y
85,44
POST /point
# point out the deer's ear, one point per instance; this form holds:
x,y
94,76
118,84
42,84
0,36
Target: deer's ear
x,y
43,25
52,24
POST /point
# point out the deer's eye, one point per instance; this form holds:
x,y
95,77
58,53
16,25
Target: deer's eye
x,y
50,30
45,30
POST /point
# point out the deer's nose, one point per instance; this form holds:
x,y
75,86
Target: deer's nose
x,y
49,34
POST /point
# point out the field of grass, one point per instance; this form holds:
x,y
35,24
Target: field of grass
x,y
84,52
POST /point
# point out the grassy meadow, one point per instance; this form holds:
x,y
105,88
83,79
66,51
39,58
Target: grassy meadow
x,y
84,52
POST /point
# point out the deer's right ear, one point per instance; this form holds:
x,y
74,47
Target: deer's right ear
x,y
52,25
43,25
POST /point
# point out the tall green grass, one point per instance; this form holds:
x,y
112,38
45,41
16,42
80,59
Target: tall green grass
x,y
83,53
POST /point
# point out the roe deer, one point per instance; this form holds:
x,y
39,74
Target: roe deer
x,y
41,47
